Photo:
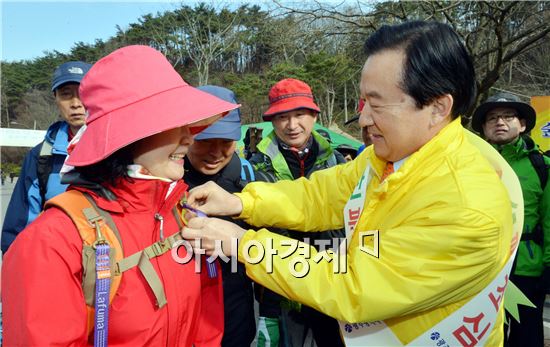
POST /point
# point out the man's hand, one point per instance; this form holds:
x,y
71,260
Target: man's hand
x,y
214,200
210,230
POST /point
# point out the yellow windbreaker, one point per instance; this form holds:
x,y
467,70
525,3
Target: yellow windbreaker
x,y
445,227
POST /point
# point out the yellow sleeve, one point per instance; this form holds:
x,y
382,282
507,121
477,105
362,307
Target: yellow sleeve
x,y
424,263
314,204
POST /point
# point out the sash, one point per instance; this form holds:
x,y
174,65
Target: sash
x,y
472,323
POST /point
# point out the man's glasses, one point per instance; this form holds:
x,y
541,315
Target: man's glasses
x,y
493,118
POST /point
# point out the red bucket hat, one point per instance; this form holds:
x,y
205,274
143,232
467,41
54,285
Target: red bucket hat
x,y
134,93
288,95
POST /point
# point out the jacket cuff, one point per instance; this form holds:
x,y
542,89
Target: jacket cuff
x,y
248,203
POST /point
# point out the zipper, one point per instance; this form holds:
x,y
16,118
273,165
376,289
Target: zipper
x,y
160,218
529,249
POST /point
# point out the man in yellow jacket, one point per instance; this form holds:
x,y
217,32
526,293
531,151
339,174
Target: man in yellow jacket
x,y
432,213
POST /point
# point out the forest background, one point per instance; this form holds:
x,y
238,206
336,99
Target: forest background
x,y
249,47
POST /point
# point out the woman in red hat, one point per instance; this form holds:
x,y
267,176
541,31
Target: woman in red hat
x,y
61,286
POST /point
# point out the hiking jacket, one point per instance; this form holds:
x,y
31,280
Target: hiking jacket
x,y
271,161
42,296
240,322
269,158
445,226
26,201
533,256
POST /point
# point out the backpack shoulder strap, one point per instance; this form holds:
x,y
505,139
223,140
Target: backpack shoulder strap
x,y
247,171
45,164
537,160
44,168
85,213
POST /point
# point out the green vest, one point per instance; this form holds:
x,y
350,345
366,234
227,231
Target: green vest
x,y
274,161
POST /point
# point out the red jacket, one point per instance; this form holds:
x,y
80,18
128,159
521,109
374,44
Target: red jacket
x,y
42,295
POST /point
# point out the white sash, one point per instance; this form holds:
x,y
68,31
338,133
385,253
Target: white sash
x,y
470,325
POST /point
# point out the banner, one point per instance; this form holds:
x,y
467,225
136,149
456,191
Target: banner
x,y
541,131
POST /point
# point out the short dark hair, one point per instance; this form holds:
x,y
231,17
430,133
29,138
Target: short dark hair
x,y
111,169
436,62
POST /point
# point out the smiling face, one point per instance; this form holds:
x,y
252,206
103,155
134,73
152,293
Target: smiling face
x,y
211,155
70,107
395,125
162,154
502,125
294,127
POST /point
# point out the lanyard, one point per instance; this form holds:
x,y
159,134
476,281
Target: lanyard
x,y
102,291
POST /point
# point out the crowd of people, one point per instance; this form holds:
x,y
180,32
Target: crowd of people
x,y
136,221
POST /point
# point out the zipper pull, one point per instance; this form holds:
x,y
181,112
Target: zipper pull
x,y
161,219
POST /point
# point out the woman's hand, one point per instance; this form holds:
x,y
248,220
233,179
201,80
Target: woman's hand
x,y
214,200
211,231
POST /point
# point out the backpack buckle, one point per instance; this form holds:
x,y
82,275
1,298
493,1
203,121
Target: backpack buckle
x,y
94,219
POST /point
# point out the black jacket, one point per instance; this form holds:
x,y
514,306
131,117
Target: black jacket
x,y
240,323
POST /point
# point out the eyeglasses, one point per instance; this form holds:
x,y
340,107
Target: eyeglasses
x,y
493,118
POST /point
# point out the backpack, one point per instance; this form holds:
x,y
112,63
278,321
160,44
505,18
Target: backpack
x,y
541,168
91,222
537,161
44,165
248,174
247,171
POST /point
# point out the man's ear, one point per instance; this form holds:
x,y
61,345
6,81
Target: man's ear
x,y
441,109
523,125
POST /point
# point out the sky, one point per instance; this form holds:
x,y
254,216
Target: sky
x,y
30,28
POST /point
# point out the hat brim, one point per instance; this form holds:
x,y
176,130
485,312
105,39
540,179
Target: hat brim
x,y
290,104
524,110
168,110
65,81
209,133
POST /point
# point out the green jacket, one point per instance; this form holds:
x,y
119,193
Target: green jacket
x,y
270,159
532,257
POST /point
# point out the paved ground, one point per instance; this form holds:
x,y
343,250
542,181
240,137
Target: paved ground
x,y
7,189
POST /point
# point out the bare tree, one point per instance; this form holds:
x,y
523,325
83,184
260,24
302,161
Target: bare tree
x,y
201,35
495,32
37,109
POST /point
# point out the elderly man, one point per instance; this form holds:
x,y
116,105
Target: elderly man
x,y
293,150
430,226
39,179
504,121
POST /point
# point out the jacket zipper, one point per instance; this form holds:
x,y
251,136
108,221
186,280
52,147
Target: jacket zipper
x,y
159,217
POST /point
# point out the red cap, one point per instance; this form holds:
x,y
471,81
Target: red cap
x,y
288,95
134,93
